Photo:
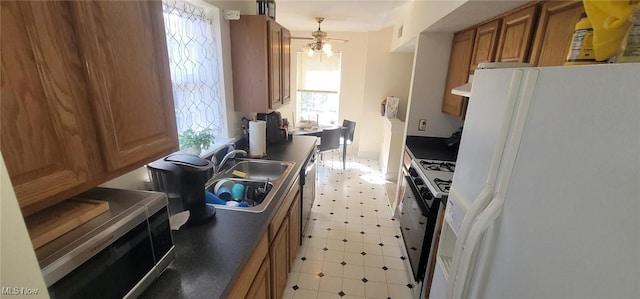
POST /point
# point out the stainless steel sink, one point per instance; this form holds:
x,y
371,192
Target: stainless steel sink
x,y
258,171
261,169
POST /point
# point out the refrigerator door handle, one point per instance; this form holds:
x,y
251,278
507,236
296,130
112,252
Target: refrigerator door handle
x,y
494,208
482,223
476,208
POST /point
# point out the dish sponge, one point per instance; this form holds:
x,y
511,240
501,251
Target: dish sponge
x,y
239,174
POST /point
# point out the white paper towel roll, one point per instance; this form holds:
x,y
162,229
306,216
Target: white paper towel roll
x,y
257,139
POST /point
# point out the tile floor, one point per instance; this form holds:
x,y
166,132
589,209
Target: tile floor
x,y
352,246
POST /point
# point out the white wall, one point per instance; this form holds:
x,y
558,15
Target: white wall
x,y
386,74
234,124
419,15
429,76
18,264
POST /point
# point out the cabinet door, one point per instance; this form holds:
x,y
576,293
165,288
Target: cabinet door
x,y
47,139
516,35
250,63
261,286
485,44
275,56
294,229
458,72
250,277
279,260
286,66
130,86
555,28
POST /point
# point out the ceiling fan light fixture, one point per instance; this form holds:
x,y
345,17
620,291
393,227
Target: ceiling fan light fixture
x,y
318,44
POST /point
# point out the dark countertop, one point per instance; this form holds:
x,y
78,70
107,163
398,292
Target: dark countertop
x,y
433,148
209,257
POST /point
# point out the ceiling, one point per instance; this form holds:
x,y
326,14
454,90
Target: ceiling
x,y
374,15
341,16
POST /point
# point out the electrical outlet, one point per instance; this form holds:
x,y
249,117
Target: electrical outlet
x,y
422,125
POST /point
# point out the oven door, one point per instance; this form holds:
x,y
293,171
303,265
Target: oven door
x,y
417,224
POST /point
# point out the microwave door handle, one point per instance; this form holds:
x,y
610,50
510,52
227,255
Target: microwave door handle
x,y
478,205
484,220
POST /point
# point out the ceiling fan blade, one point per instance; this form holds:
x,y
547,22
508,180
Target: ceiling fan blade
x,y
305,38
340,40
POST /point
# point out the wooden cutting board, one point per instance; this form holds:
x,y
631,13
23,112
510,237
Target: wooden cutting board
x,y
53,222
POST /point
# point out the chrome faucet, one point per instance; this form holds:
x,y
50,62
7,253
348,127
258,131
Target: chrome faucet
x,y
229,155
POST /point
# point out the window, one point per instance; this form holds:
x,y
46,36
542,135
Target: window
x,y
195,64
319,87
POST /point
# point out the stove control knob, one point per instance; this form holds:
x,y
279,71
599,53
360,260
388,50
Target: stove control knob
x,y
413,172
418,181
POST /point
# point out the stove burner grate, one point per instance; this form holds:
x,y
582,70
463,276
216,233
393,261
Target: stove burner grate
x,y
443,185
438,166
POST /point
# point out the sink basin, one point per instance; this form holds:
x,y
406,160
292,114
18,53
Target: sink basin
x,y
261,169
256,197
258,171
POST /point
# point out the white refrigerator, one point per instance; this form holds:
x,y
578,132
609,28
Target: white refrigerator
x,y
545,200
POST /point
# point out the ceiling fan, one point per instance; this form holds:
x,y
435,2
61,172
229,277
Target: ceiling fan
x,y
319,40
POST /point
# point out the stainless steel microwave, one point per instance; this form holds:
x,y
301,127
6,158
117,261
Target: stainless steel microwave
x,y
115,255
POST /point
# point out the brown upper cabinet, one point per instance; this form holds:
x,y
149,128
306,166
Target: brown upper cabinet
x,y
79,108
485,44
259,48
286,66
511,38
516,35
275,63
555,29
458,73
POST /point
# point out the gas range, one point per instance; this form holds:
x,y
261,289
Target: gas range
x,y
435,175
427,187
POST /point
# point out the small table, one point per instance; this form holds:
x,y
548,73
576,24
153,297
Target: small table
x,y
317,131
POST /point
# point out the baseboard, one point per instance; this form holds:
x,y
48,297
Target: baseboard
x,y
368,155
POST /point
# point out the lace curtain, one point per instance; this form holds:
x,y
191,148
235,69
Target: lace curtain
x,y
194,63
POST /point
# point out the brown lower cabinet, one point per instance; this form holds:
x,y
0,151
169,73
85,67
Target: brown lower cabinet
x,y
261,286
294,231
255,273
279,254
284,234
265,274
